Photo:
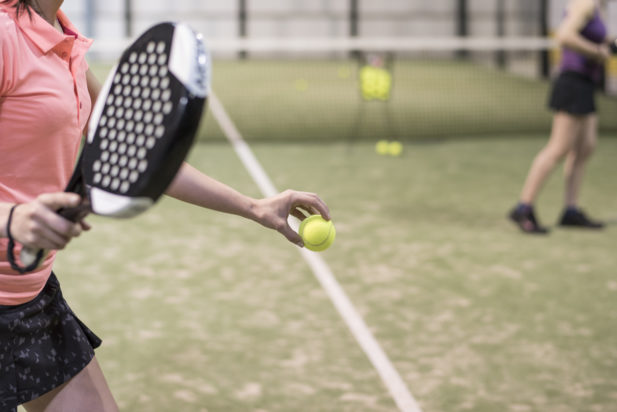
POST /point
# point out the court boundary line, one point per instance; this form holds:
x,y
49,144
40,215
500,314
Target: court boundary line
x,y
371,347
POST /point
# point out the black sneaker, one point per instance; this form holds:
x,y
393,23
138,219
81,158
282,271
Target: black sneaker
x,y
577,218
526,221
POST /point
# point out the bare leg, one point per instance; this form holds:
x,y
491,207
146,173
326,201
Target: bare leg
x,y
576,160
564,134
87,391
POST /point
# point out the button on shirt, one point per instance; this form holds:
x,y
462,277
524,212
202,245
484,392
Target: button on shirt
x,y
44,107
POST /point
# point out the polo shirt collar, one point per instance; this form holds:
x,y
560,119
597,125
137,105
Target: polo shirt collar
x,y
46,37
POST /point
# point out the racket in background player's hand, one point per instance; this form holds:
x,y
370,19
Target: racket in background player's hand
x,y
141,128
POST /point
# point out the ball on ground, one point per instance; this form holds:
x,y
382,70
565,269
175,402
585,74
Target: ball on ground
x,y
382,147
395,148
317,233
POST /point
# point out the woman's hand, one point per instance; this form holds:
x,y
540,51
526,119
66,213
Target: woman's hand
x,y
37,225
273,212
603,53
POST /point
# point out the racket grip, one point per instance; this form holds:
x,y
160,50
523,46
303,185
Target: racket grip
x,y
77,213
33,257
613,46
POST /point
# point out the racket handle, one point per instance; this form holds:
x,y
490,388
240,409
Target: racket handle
x,y
77,213
613,46
33,257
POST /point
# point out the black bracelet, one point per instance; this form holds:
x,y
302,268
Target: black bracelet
x,y
9,220
11,248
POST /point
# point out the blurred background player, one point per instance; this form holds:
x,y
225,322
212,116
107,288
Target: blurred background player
x,y
585,47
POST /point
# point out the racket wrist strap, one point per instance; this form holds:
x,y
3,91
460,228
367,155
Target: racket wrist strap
x,y
11,248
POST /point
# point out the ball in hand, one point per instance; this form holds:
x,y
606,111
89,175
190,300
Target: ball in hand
x,y
317,233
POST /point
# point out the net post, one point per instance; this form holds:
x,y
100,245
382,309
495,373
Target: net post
x,y
500,17
242,25
354,14
353,18
462,19
128,18
544,54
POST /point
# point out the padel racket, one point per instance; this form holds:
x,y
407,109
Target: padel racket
x,y
141,127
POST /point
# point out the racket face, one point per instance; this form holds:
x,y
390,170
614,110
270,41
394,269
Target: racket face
x,y
145,119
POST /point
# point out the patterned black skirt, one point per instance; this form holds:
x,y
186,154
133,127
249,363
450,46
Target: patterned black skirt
x,y
42,345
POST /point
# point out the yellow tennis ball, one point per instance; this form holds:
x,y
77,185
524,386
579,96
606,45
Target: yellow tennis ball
x,y
376,83
344,72
395,148
301,85
384,84
317,233
382,147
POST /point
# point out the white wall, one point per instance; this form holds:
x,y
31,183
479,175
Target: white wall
x,y
316,18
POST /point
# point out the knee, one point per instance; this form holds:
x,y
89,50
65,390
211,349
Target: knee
x,y
583,152
587,148
550,156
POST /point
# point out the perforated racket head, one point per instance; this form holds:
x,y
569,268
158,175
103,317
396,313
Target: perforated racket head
x,y
145,120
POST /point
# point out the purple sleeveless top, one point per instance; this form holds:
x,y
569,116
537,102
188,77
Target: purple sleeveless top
x,y
595,31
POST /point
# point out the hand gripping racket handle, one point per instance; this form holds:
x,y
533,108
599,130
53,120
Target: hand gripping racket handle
x,y
31,258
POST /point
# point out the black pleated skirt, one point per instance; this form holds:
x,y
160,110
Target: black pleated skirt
x,y
573,93
42,345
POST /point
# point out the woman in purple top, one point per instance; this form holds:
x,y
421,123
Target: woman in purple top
x,y
585,48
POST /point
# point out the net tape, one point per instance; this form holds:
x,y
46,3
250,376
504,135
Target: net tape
x,y
111,48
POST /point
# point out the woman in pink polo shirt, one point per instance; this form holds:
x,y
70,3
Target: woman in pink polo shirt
x,y
47,359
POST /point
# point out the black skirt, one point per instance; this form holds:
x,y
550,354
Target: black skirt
x,y
573,93
42,345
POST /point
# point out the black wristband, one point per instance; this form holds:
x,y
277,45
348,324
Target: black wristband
x,y
9,220
11,248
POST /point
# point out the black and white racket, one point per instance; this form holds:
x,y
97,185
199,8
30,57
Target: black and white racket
x,y
141,128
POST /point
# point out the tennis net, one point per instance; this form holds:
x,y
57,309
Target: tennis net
x,y
385,88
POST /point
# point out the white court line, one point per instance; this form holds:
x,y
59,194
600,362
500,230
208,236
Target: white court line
x,y
391,378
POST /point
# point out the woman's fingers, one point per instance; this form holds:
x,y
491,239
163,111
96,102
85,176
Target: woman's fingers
x,y
37,225
309,202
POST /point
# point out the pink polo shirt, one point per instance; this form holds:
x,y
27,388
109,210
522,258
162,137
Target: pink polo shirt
x,y
44,107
